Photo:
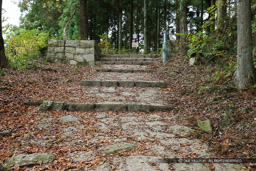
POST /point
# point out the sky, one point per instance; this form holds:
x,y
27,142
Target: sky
x,y
12,12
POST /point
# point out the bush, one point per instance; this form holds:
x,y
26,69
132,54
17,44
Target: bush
x,y
25,46
105,45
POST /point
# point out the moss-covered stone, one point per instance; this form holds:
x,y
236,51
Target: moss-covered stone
x,y
112,149
28,159
205,126
181,130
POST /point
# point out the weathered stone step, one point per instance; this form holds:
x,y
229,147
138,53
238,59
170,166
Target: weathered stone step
x,y
124,70
124,62
127,59
118,83
132,56
101,107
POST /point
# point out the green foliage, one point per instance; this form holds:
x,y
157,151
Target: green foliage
x,y
24,46
105,45
205,44
226,73
254,63
73,28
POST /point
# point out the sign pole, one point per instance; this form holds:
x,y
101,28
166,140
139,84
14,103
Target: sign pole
x,y
165,47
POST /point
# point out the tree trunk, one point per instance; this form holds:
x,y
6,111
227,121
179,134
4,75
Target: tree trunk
x,y
177,21
131,24
145,26
213,26
67,24
120,31
83,20
137,21
222,13
120,18
183,26
157,27
3,60
245,73
202,12
165,14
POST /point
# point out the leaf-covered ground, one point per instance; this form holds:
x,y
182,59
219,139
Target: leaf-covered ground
x,y
193,94
197,96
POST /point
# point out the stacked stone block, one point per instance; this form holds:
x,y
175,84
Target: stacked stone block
x,y
76,52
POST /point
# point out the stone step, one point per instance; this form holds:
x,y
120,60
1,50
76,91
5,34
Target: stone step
x,y
123,62
128,59
118,83
124,70
133,56
101,107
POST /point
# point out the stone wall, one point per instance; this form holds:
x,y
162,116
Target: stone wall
x,y
76,52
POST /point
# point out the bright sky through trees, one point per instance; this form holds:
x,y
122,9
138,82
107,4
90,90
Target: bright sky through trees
x,y
12,12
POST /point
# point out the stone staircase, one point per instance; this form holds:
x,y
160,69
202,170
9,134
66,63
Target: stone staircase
x,y
121,77
128,59
137,137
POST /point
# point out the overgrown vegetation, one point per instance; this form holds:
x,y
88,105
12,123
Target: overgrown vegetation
x,y
211,47
23,46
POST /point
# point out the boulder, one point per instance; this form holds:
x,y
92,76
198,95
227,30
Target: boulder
x,y
112,149
181,130
205,126
70,118
29,159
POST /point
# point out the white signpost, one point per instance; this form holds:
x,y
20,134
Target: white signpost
x,y
135,44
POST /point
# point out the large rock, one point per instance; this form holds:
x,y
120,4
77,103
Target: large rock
x,y
78,58
73,62
112,149
190,167
192,61
80,51
105,167
69,56
70,50
83,156
227,167
143,163
51,105
59,50
205,126
72,43
70,118
69,132
87,43
56,43
181,130
29,159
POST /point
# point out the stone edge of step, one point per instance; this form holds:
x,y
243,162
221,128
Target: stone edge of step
x,y
100,107
117,83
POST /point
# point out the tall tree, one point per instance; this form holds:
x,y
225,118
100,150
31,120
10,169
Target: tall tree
x,y
177,19
3,60
213,2
183,26
222,13
120,22
131,24
245,73
157,25
83,20
145,26
202,12
165,14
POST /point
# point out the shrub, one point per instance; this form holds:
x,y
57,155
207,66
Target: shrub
x,y
24,46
